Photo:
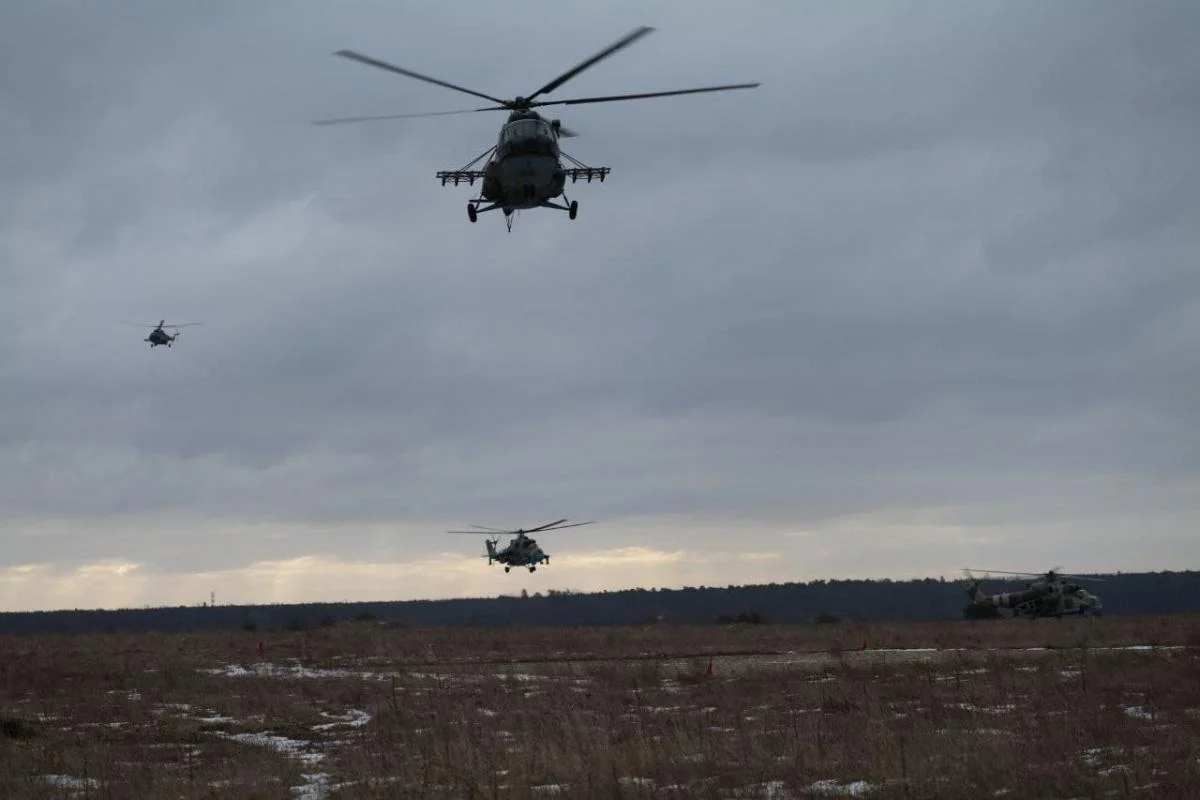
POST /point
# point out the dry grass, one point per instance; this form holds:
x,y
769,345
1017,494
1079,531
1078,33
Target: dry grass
x,y
367,710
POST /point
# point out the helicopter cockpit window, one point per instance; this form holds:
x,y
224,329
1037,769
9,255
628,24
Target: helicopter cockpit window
x,y
527,130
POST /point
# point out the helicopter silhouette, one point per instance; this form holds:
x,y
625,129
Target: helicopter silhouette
x,y
525,167
159,336
522,550
1048,594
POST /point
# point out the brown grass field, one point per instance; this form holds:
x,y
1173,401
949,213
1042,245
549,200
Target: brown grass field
x,y
1052,708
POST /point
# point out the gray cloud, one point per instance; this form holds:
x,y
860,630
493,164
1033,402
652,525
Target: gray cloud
x,y
923,296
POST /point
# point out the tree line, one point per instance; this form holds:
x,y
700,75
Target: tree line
x,y
821,601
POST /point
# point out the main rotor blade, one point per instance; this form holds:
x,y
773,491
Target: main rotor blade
x,y
482,533
621,43
184,325
1004,572
341,120
374,62
547,525
610,98
560,527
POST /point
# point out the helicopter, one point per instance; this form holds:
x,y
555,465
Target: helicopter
x,y
522,550
158,336
1048,594
525,168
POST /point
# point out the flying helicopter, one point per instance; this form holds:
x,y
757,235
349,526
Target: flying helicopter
x,y
159,336
522,550
1049,594
525,168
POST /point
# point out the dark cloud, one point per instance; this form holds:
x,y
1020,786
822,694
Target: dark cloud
x,y
928,288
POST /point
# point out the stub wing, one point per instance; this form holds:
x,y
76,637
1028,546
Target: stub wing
x,y
587,173
457,176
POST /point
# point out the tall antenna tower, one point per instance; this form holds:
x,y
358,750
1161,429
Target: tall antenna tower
x,y
212,598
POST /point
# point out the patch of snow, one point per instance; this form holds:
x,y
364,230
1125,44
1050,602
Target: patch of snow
x,y
831,788
980,731
773,790
69,782
316,786
293,747
267,670
1137,712
631,781
1008,708
522,676
353,719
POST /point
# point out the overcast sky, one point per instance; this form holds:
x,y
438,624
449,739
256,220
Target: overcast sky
x,y
927,298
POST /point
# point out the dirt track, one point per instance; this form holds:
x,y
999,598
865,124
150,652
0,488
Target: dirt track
x,y
810,661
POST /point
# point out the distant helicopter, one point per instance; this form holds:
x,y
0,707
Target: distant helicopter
x,y
158,335
521,551
1047,595
525,169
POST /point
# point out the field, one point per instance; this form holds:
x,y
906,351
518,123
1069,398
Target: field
x,y
1072,708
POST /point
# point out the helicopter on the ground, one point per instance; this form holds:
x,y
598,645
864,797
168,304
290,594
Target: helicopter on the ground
x,y
526,167
522,550
159,336
1048,594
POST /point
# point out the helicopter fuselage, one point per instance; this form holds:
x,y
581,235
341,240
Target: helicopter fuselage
x,y
1041,599
158,337
520,552
525,170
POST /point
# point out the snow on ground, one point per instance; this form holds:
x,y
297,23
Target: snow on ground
x,y
69,782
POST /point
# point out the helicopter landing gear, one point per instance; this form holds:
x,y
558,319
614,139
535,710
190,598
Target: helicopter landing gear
x,y
508,569
472,214
533,569
572,209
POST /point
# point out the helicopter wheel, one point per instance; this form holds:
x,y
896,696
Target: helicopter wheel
x,y
506,569
533,569
471,213
573,209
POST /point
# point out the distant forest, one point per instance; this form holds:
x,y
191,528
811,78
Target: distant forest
x,y
817,601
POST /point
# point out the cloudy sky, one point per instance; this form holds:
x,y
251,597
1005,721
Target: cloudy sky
x,y
927,298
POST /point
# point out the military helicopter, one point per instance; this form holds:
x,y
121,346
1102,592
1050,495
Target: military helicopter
x,y
158,335
525,168
1047,595
522,550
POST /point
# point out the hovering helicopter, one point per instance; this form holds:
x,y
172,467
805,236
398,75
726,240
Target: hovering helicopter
x,y
522,550
158,335
1046,595
525,168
